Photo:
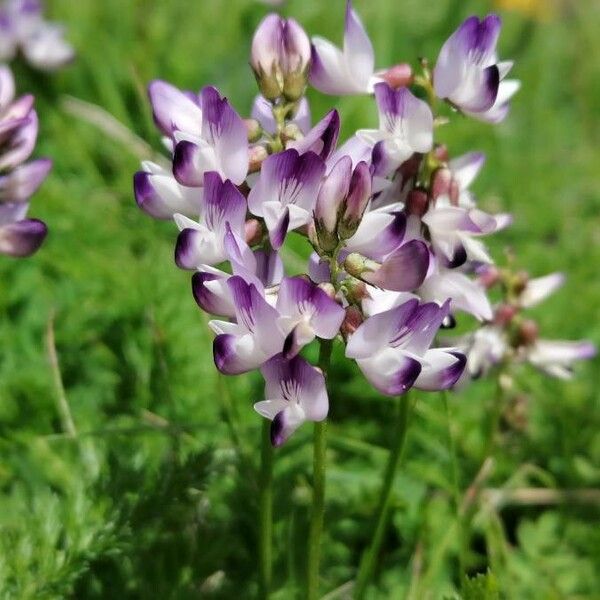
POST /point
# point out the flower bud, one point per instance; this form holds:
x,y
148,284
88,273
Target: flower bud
x,y
254,130
440,152
399,76
333,192
441,182
352,321
505,314
356,264
519,282
528,332
417,202
257,155
328,289
356,290
280,58
454,192
489,277
252,231
356,201
291,133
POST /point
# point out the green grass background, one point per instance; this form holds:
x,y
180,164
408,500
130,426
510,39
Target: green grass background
x,y
156,496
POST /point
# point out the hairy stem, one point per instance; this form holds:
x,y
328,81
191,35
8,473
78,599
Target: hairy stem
x,y
318,502
367,563
266,510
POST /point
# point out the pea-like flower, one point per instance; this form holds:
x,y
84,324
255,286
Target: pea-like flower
x,y
23,28
405,125
295,392
221,145
203,242
19,236
286,191
350,70
392,349
468,74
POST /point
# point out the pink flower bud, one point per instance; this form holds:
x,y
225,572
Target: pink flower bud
x,y
252,231
454,192
416,202
256,156
489,277
505,314
399,76
528,332
352,321
441,153
441,182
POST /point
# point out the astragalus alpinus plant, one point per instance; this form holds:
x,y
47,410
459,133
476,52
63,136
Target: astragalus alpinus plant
x,y
394,231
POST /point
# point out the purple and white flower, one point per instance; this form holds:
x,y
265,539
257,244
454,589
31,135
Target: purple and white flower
x,y
465,294
221,145
350,70
21,183
556,358
203,242
159,194
295,392
454,231
538,289
485,348
19,237
403,270
306,312
22,27
322,138
467,72
392,349
255,336
263,268
405,126
175,110
286,191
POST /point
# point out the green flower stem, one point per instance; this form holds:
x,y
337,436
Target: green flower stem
x,y
318,502
266,511
460,521
367,563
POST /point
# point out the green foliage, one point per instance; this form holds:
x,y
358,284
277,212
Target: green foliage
x,y
156,495
482,587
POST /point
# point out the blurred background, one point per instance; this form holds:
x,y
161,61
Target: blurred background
x,y
141,482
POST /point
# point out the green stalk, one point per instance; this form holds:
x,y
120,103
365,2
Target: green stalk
x,y
369,558
460,523
318,501
266,511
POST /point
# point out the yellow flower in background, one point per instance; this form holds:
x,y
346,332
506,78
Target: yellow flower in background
x,y
538,9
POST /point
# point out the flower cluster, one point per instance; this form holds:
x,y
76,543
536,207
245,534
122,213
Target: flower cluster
x,y
19,180
23,28
396,235
510,338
